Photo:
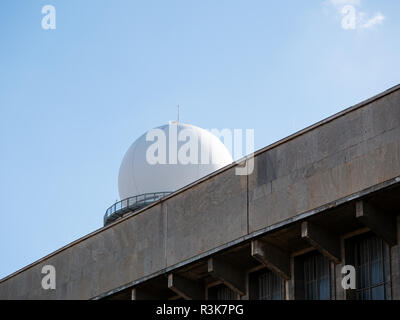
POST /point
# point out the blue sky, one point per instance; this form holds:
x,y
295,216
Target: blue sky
x,y
73,99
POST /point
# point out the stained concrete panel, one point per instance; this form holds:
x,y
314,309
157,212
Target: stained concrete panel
x,y
340,158
207,215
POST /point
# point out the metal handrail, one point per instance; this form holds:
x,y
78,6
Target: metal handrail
x,y
131,204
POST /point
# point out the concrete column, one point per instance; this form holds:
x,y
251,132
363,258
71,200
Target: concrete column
x,y
340,292
290,284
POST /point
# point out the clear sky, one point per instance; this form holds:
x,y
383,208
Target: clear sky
x,y
73,99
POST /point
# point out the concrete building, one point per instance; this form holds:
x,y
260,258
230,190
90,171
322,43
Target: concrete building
x,y
325,197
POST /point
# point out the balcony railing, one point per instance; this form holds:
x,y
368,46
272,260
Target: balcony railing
x,y
131,204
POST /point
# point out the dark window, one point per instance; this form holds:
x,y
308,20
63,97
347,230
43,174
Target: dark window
x,y
312,277
370,257
266,285
221,292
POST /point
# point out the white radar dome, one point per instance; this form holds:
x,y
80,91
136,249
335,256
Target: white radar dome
x,y
168,158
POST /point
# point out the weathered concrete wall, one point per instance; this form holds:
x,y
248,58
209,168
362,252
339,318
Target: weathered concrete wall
x,y
206,216
342,157
349,153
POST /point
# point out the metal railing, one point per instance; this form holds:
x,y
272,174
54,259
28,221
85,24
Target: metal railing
x,y
131,204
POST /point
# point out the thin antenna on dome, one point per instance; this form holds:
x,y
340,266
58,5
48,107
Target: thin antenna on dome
x,y
178,113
